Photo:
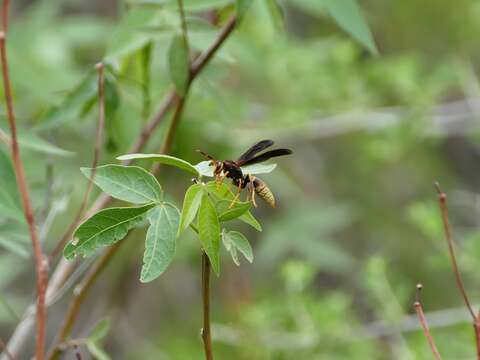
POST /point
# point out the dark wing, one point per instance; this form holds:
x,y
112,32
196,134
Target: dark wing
x,y
267,155
247,155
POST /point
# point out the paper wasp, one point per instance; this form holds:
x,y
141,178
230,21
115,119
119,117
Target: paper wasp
x,y
231,169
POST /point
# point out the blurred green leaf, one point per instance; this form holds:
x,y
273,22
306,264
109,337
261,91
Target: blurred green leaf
x,y
237,241
242,7
128,37
31,141
100,330
128,183
72,105
189,5
104,228
209,232
349,17
97,352
276,14
10,206
163,159
14,246
191,204
160,241
227,213
179,63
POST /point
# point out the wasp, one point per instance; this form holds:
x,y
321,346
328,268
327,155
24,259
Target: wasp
x,y
232,169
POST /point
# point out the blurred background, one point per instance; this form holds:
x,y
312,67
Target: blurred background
x,y
357,224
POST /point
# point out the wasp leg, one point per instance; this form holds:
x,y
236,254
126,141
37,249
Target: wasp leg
x,y
252,194
239,188
219,178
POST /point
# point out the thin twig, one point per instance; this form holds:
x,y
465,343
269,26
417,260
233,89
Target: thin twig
x,y
96,156
5,350
40,263
79,294
206,334
5,11
183,23
442,200
423,321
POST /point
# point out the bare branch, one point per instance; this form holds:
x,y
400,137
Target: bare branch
x,y
442,200
423,321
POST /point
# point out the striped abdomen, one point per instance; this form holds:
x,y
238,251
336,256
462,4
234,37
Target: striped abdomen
x,y
264,192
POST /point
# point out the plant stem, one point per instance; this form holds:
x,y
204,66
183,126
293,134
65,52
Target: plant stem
x,y
96,156
206,334
442,200
423,321
169,100
79,294
40,263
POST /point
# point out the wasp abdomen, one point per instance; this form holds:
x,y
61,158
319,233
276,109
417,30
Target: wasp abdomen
x,y
264,192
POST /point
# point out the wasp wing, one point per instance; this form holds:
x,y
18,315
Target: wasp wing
x,y
268,155
247,155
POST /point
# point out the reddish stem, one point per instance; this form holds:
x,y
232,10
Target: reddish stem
x,y
423,321
40,263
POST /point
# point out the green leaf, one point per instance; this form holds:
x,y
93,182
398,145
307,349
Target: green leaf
x,y
242,7
97,352
189,5
31,141
164,159
191,203
237,241
204,168
348,16
227,213
179,65
128,36
14,246
104,228
209,232
100,330
128,183
72,105
160,241
276,14
223,192
10,205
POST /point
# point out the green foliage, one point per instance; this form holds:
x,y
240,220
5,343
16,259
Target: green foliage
x,y
191,204
160,241
163,159
235,241
127,183
348,15
209,231
242,7
227,211
179,65
104,228
99,331
10,206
